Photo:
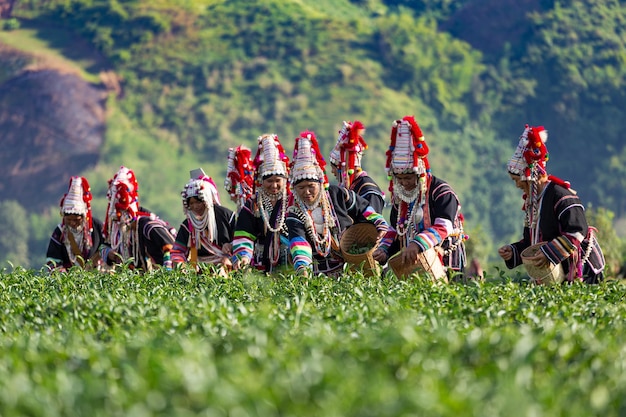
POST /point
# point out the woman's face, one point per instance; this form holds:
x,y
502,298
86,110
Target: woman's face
x,y
73,221
308,191
407,181
274,184
197,206
519,183
335,171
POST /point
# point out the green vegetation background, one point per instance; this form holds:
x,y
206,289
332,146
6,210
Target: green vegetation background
x,y
201,76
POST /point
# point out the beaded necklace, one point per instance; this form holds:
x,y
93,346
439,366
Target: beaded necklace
x,y
267,206
124,239
409,222
204,226
304,212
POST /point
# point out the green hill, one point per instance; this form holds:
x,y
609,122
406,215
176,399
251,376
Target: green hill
x,y
198,77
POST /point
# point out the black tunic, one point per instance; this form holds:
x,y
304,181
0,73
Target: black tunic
x,y
57,252
367,188
225,221
442,203
563,225
253,240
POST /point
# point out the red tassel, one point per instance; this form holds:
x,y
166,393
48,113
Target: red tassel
x,y
559,181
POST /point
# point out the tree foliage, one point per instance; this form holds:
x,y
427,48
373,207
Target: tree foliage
x,y
14,236
576,58
202,76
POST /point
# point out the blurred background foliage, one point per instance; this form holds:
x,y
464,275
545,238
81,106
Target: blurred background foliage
x,y
200,76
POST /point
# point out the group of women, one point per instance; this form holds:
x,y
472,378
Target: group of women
x,y
290,218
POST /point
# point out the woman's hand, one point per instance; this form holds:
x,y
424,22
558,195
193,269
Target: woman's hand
x,y
379,256
226,263
241,263
506,252
410,253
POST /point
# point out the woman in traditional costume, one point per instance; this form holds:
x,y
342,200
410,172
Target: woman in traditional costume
x,y
425,211
133,234
261,237
345,162
75,241
205,236
320,212
553,213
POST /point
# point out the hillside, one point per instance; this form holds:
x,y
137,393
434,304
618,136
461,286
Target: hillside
x,y
177,85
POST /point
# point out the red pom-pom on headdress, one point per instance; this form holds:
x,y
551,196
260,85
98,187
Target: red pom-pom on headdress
x,y
239,181
536,153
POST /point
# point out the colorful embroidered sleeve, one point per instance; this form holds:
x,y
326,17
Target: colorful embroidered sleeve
x,y
382,226
299,247
246,233
434,235
243,245
444,208
559,249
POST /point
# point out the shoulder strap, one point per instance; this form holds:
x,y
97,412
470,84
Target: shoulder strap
x,y
193,256
76,250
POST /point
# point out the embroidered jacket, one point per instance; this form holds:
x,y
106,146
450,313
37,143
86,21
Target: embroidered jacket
x,y
563,225
365,186
257,243
154,243
225,220
57,255
440,226
346,209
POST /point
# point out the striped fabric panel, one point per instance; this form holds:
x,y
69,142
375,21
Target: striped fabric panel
x,y
243,245
435,234
442,190
301,253
443,226
558,249
376,218
427,239
566,203
386,241
179,253
516,260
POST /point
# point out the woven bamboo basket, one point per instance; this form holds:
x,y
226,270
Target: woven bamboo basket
x,y
428,262
360,235
544,275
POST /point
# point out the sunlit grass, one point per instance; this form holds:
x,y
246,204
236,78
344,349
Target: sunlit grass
x,y
52,48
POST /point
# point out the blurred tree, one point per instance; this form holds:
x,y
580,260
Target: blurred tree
x,y
612,246
14,237
6,8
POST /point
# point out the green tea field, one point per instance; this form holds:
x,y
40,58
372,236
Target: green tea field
x,y
169,344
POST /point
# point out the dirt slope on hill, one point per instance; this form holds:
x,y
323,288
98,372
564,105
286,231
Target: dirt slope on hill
x,y
51,127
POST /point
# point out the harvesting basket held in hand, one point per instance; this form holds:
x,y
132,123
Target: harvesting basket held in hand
x,y
427,262
547,274
362,236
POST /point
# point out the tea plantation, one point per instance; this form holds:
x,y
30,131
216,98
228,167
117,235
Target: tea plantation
x,y
169,344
